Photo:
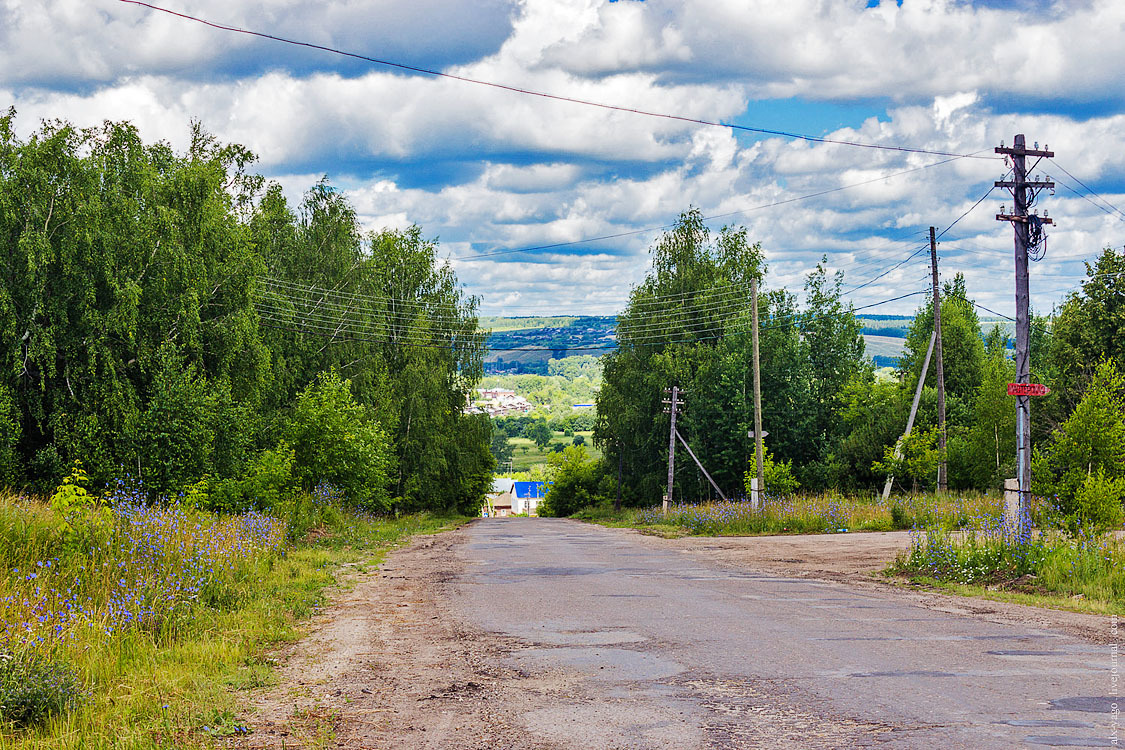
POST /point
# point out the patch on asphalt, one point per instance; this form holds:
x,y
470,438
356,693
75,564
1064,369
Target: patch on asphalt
x,y
774,714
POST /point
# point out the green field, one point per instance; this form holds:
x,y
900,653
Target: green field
x,y
522,459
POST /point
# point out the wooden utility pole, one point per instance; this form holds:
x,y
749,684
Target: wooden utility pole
x,y
673,405
758,446
617,502
913,412
1022,223
942,483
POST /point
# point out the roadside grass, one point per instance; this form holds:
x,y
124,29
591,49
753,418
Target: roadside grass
x,y
805,514
168,673
1082,571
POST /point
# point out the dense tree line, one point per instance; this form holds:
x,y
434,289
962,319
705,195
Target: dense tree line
x,y
134,341
832,423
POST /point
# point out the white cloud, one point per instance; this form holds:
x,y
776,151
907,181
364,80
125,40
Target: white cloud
x,y
532,171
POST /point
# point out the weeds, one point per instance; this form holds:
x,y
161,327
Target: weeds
x,y
35,686
816,514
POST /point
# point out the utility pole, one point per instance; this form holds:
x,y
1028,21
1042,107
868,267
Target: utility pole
x,y
757,492
913,412
620,453
1023,224
673,406
942,483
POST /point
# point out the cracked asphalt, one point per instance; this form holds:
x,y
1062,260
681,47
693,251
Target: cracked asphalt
x,y
657,647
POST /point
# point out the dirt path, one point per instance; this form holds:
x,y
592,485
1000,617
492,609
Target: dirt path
x,y
387,666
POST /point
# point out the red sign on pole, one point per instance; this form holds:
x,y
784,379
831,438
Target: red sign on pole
x,y
1027,389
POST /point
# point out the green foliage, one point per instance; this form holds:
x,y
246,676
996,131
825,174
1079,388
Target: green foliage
x,y
35,686
1090,442
338,440
917,460
270,482
131,332
962,347
175,436
540,434
1087,328
574,482
1085,457
1098,500
72,496
499,446
983,456
778,475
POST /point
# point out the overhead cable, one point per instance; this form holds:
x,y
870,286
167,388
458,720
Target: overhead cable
x,y
554,97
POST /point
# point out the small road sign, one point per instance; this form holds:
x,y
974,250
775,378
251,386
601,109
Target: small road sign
x,y
1027,389
764,434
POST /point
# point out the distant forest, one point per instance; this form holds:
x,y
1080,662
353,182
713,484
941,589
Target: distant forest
x,y
525,345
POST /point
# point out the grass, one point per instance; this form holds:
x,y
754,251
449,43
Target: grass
x,y
805,514
1083,571
170,672
526,454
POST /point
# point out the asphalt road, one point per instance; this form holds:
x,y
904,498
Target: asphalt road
x,y
655,648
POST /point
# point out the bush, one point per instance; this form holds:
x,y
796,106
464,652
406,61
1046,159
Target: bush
x,y
900,519
336,439
270,482
1098,500
574,484
1086,455
34,686
778,475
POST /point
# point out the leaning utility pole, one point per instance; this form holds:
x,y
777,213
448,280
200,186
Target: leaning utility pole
x,y
941,477
913,413
673,405
1022,223
761,485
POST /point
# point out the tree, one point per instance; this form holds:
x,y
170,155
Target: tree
x,y
918,459
962,345
336,439
1084,460
499,446
1089,326
540,434
985,455
685,325
574,482
833,347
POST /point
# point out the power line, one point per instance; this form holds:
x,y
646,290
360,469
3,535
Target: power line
x,y
554,97
663,227
1089,189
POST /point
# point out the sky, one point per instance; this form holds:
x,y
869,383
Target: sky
x,y
492,174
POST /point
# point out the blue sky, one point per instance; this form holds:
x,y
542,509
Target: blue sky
x,y
486,170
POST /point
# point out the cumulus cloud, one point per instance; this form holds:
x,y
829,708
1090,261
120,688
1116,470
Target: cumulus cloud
x,y
491,171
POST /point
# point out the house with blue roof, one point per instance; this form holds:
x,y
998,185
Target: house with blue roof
x,y
528,495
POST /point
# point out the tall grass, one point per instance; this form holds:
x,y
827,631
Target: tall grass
x,y
1086,564
824,513
138,624
125,567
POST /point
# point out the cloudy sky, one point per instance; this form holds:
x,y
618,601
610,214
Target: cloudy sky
x,y
489,171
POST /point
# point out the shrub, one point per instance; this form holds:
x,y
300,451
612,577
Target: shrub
x,y
1098,500
574,483
899,517
778,475
33,686
1086,455
336,439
